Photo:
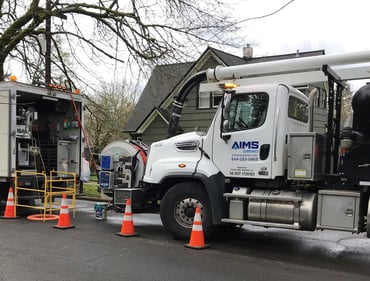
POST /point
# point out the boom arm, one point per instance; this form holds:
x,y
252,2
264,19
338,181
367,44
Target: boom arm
x,y
289,66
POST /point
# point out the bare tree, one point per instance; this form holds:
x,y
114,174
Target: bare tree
x,y
107,31
107,112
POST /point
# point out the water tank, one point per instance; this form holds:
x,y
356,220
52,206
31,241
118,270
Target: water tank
x,y
119,151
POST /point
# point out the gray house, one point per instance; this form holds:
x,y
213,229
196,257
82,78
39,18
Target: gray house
x,y
150,119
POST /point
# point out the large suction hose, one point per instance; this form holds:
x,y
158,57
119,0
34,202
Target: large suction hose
x,y
178,104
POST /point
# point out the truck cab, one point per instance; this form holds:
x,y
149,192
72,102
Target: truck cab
x,y
248,138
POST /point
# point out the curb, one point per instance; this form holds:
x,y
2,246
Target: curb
x,y
88,198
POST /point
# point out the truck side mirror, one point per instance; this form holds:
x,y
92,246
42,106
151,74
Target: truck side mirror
x,y
224,126
226,107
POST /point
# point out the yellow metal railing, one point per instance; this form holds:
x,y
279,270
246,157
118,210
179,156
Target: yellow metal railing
x,y
54,185
68,180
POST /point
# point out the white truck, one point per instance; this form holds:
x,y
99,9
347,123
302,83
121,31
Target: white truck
x,y
259,163
40,131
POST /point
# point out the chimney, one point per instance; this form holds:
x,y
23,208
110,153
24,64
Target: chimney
x,y
248,52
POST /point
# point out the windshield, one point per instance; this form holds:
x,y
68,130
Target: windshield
x,y
246,111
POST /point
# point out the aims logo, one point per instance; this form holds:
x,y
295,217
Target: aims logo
x,y
245,145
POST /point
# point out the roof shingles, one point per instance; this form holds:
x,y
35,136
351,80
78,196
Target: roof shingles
x,y
162,82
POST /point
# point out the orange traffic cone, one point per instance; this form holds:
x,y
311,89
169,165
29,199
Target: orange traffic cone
x,y
127,228
64,221
197,236
10,211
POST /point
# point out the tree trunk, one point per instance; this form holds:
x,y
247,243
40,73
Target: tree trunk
x,y
2,78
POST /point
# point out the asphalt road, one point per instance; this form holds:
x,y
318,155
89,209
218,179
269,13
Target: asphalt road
x,y
91,251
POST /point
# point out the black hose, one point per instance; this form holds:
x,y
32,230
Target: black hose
x,y
178,104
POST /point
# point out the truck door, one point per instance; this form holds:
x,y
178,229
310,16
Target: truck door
x,y
243,144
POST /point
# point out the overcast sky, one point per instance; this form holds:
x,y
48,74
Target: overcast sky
x,y
334,25
337,26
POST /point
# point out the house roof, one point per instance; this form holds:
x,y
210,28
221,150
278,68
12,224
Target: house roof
x,y
231,60
228,59
163,80
286,56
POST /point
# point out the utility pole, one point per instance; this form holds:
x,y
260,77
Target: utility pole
x,y
48,43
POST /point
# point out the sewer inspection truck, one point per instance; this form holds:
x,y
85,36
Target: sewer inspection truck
x,y
260,162
40,131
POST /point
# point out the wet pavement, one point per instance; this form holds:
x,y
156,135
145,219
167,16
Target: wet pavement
x,y
91,251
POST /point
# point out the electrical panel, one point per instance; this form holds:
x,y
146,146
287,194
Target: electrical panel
x,y
106,179
68,156
106,162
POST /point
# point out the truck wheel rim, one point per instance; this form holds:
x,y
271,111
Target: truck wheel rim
x,y
185,210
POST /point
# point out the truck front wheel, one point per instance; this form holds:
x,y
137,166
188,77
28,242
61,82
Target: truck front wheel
x,y
178,209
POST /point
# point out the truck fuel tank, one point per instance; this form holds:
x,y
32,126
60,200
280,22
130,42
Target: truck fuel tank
x,y
285,207
279,208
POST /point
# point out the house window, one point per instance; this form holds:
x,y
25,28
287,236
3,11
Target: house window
x,y
216,99
208,100
203,100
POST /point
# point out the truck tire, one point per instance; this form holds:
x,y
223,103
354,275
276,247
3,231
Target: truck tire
x,y
178,209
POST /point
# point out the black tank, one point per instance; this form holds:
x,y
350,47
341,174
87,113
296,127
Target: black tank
x,y
361,111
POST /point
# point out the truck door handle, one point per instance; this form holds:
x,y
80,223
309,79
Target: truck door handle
x,y
349,212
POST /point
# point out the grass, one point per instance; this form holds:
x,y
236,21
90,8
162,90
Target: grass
x,y
91,187
94,178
